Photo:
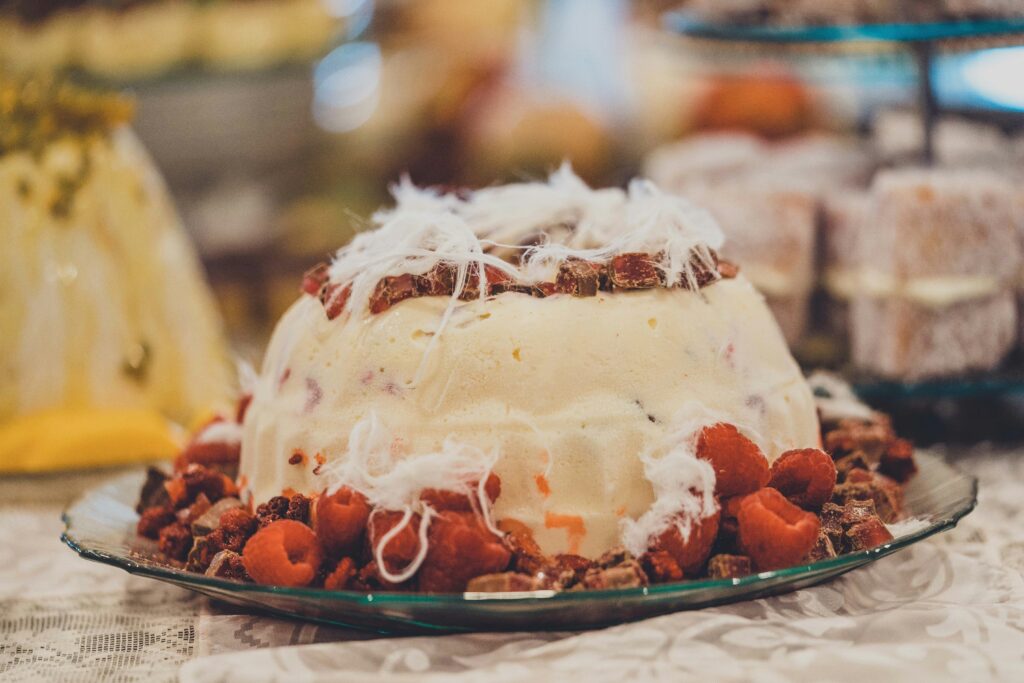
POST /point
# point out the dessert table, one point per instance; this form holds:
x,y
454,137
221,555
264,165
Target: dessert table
x,y
950,608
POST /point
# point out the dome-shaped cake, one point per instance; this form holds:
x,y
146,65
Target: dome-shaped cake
x,y
578,368
107,327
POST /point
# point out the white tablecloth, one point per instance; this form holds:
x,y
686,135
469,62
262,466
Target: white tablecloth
x,y
951,608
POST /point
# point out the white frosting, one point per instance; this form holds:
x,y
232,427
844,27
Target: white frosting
x,y
569,391
936,291
585,407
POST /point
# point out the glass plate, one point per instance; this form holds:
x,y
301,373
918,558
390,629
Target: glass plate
x,y
101,526
689,25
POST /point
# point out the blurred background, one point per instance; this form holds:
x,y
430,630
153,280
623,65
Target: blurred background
x,y
278,126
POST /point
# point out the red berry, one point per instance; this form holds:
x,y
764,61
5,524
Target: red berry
x,y
806,476
461,548
774,532
740,466
692,553
340,519
284,553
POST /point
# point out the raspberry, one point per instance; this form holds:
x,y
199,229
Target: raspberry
x,y
692,553
342,576
237,521
806,476
461,548
403,547
284,553
740,466
774,532
440,499
340,520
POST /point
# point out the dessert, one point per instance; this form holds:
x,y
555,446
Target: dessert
x,y
940,258
130,39
465,400
767,199
108,328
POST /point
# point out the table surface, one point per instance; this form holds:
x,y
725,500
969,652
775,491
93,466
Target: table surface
x,y
951,608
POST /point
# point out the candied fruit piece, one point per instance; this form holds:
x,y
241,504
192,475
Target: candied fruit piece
x,y
626,575
729,566
692,553
342,576
774,532
314,279
283,553
634,271
460,548
822,550
740,466
805,476
175,540
867,534
526,554
340,520
898,461
505,582
228,565
153,520
661,567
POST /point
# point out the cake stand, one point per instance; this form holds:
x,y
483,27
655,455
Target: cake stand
x,y
922,40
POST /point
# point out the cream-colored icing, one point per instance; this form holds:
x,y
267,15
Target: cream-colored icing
x,y
570,391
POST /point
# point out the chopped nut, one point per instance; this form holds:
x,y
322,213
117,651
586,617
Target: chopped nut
x,y
822,550
868,437
614,557
506,582
153,492
579,277
867,534
898,461
438,281
228,565
390,291
627,575
175,541
729,566
832,524
884,494
209,520
634,271
848,463
661,567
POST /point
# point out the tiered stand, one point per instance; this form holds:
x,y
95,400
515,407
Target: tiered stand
x,y
985,406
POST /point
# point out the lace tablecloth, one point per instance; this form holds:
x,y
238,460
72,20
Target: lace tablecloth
x,y
951,608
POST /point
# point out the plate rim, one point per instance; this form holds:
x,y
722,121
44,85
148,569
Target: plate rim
x,y
689,24
535,598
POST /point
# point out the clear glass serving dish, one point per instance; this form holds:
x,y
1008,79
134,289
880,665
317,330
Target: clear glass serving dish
x,y
100,526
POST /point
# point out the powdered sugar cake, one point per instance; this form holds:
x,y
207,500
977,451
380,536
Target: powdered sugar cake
x,y
940,259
